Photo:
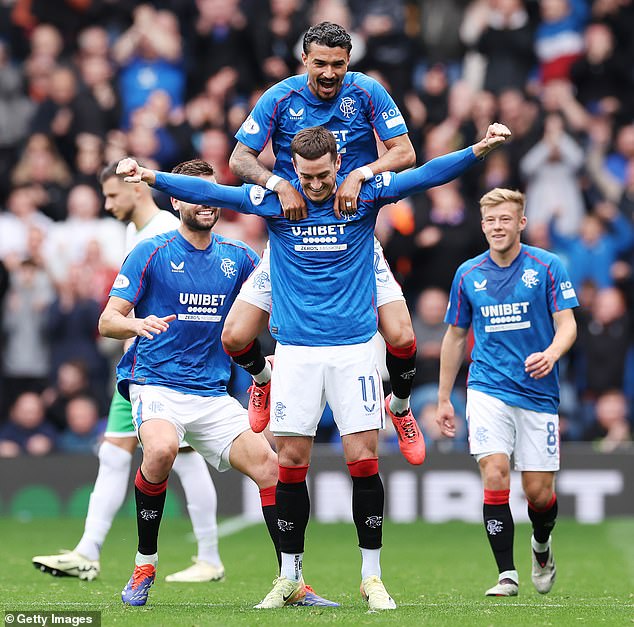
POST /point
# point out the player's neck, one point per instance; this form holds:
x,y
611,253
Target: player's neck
x,y
143,214
198,239
507,257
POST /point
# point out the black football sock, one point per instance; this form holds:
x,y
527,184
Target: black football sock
x,y
293,508
367,502
543,520
269,511
250,358
499,526
401,366
150,501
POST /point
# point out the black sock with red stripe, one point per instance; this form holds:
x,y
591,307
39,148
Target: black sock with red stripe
x,y
269,511
367,502
293,507
401,366
500,528
251,357
150,501
543,520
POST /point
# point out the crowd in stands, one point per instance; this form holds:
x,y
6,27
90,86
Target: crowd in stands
x,y
84,82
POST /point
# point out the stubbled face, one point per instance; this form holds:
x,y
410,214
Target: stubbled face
x,y
197,217
502,226
318,177
119,198
326,69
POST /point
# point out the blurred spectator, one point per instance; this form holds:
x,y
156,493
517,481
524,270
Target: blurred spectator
x,y
552,189
222,41
27,430
611,428
15,224
67,112
604,338
41,166
25,358
603,237
45,54
72,328
15,112
507,46
84,429
71,381
559,36
600,77
69,240
150,57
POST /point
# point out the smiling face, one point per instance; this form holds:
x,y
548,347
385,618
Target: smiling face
x,y
318,177
502,226
197,217
326,69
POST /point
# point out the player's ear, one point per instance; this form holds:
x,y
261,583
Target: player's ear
x,y
304,58
295,165
175,204
337,163
523,223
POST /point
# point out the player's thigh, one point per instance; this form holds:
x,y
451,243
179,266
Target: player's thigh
x,y
297,390
153,402
491,425
214,424
537,446
354,387
251,454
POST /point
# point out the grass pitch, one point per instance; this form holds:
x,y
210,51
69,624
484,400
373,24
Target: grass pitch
x,y
436,573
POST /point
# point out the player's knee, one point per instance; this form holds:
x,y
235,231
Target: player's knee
x,y
540,497
399,335
159,457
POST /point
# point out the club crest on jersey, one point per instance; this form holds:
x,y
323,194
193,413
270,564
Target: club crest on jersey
x,y
262,281
480,285
177,267
346,106
296,115
228,267
250,126
529,278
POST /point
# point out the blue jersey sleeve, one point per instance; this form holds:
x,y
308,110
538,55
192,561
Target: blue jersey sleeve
x,y
391,187
129,283
261,123
244,199
459,311
562,294
386,116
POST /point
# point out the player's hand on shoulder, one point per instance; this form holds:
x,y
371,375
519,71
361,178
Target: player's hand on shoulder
x,y
130,170
153,325
446,419
538,365
347,194
293,203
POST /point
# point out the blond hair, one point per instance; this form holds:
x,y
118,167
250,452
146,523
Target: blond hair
x,y
499,195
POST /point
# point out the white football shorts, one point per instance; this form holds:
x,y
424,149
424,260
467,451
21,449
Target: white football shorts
x,y
495,427
306,377
256,290
211,423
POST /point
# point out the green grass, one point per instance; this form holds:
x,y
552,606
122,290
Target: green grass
x,y
436,573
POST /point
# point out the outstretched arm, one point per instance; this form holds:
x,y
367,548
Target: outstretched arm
x,y
244,163
443,169
399,155
191,189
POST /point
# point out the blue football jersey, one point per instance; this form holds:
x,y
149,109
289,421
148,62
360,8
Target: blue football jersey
x,y
510,310
166,275
362,107
322,277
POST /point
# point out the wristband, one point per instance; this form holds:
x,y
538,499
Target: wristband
x,y
367,172
272,182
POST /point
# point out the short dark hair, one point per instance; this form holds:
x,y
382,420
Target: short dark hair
x,y
314,142
327,34
110,170
194,167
